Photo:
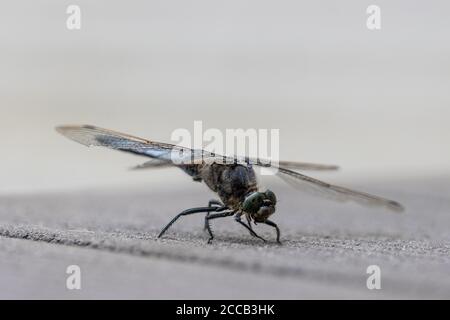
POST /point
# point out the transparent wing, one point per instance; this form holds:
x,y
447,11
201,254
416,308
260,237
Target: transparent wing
x,y
95,136
171,154
212,157
306,166
157,163
317,187
166,153
293,165
153,164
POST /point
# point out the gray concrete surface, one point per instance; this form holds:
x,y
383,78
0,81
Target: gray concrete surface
x,y
326,247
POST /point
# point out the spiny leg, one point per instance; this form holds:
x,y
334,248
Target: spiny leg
x,y
215,216
249,222
207,226
273,224
253,233
215,202
212,203
185,213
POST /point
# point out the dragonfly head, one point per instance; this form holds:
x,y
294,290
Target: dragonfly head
x,y
260,205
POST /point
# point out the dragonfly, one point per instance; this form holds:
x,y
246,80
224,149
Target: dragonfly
x,y
233,179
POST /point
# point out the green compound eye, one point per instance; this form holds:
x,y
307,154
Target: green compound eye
x,y
253,202
271,196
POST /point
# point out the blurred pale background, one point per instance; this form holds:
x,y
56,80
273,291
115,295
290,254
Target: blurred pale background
x,y
375,102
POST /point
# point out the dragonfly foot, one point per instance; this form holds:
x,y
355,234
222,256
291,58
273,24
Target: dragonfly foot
x,y
274,225
216,215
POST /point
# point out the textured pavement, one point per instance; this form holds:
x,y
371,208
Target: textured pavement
x,y
327,246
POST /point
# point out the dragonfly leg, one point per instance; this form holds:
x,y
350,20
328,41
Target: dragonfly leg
x,y
185,213
215,216
249,222
253,233
273,224
212,203
215,202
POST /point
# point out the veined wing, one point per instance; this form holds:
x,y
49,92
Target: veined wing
x,y
165,152
334,192
304,182
153,164
157,163
173,154
293,165
306,166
